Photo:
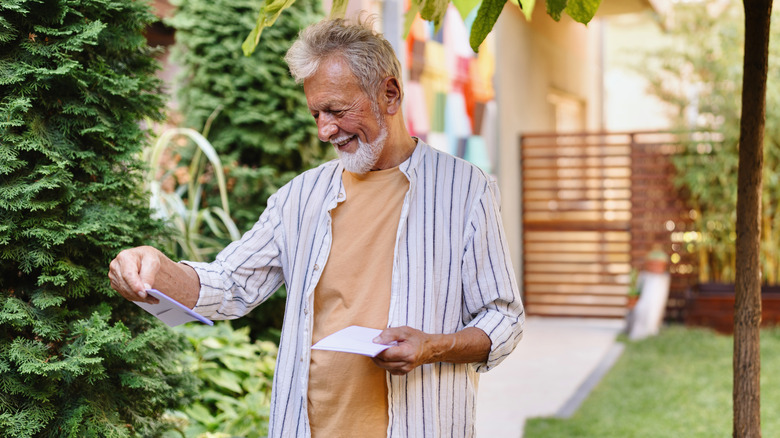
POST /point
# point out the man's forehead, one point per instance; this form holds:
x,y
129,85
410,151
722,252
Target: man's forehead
x,y
332,101
334,68
333,84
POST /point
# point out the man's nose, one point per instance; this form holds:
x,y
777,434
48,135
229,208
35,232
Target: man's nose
x,y
326,127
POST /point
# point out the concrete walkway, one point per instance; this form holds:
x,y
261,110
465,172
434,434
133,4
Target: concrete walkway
x,y
550,373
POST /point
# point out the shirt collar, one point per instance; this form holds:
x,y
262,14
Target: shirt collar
x,y
409,167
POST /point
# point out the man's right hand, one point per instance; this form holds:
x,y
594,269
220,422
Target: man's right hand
x,y
134,270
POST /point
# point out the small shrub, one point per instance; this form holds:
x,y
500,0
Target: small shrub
x,y
237,375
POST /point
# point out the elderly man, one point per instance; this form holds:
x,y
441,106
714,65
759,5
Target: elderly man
x,y
393,235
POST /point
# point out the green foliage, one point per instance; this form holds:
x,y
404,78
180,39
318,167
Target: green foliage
x,y
236,374
201,231
264,132
700,77
677,384
269,12
487,16
465,7
75,358
581,11
432,10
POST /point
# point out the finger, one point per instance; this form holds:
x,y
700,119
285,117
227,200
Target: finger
x,y
117,281
388,364
127,265
395,368
395,356
149,266
133,265
124,275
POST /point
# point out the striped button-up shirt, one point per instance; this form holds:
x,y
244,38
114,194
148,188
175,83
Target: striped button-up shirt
x,y
451,270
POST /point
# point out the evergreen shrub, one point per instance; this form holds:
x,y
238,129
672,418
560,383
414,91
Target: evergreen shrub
x,y
264,131
77,360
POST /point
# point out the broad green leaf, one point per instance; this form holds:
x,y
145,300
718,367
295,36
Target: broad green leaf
x,y
409,18
339,8
434,10
527,7
555,8
465,7
487,15
582,11
246,350
250,43
254,384
213,343
265,18
226,379
200,413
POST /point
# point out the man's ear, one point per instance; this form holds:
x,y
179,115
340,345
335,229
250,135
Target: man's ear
x,y
391,92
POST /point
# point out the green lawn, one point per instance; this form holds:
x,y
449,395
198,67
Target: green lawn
x,y
677,384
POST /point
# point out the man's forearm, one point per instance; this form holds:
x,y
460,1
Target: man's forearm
x,y
178,281
468,345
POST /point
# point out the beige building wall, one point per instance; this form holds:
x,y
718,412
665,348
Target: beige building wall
x,y
548,78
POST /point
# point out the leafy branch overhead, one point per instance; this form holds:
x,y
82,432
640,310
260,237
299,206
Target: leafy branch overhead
x,y
581,11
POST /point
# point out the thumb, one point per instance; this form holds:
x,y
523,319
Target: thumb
x,y
387,337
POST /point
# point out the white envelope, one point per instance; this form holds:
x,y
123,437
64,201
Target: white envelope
x,y
170,311
353,339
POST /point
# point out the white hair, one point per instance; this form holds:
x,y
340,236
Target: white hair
x,y
368,54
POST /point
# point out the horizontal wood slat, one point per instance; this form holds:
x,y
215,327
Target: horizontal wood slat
x,y
594,205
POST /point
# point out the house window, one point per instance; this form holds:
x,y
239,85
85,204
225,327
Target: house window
x,y
568,112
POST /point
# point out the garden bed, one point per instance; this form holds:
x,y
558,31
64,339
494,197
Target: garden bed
x,y
712,305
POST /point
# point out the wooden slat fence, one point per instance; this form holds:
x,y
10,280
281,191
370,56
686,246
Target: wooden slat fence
x,y
594,204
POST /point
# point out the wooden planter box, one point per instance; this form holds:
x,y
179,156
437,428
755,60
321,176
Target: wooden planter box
x,y
712,305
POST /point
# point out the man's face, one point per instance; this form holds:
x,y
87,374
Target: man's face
x,y
346,117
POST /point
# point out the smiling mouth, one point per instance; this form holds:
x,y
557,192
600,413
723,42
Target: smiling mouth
x,y
340,143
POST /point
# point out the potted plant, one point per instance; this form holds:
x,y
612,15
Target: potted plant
x,y
697,78
633,289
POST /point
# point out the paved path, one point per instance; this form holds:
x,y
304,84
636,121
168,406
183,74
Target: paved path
x,y
549,374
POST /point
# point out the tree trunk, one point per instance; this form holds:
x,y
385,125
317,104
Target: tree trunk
x,y
747,312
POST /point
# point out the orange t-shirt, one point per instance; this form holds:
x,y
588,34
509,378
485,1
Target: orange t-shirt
x,y
348,392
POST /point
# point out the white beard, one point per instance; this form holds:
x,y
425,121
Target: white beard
x,y
366,155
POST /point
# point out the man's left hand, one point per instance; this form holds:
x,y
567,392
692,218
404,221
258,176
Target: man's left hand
x,y
412,348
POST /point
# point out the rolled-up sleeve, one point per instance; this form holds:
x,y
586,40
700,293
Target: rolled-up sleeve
x,y
491,295
245,273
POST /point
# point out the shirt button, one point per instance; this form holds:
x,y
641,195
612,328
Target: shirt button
x,y
341,195
305,310
316,267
